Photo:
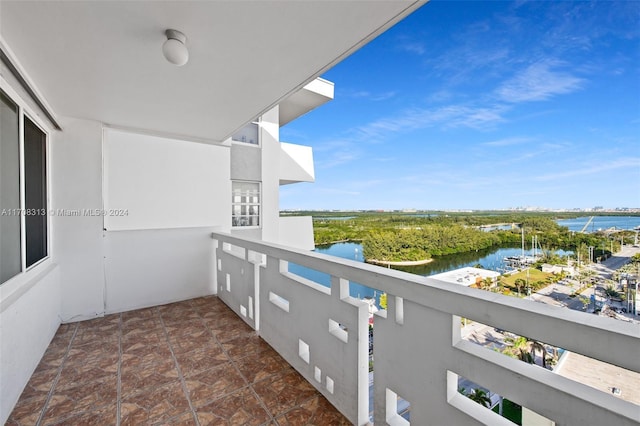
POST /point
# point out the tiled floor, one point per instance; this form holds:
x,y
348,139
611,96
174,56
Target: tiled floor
x,y
187,363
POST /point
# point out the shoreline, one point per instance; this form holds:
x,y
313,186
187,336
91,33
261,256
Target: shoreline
x,y
400,263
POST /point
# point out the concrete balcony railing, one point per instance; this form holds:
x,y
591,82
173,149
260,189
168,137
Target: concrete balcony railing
x,y
418,351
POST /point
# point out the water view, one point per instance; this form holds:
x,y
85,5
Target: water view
x,y
489,259
601,223
492,259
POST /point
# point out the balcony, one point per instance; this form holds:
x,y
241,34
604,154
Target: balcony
x,y
296,164
314,94
171,364
196,358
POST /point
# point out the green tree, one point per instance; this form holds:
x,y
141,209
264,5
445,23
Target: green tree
x,y
526,356
487,283
525,349
536,346
611,291
480,396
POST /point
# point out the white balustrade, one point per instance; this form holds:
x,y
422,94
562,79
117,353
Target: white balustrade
x,y
418,349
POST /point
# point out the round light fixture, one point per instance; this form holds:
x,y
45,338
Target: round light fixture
x,y
175,49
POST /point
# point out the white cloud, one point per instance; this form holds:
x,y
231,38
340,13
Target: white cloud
x,y
589,169
383,96
337,191
539,82
364,94
508,141
337,158
415,47
451,116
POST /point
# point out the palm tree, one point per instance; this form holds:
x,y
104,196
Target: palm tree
x,y
514,345
480,396
535,347
525,349
526,356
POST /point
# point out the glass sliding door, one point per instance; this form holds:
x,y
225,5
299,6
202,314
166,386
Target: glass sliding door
x,y
10,253
35,192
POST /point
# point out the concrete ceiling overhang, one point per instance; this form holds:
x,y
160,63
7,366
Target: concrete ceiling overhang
x,y
102,60
311,96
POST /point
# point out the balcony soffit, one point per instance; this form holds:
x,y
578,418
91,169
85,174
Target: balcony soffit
x,y
103,60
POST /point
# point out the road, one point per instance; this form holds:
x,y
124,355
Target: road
x,y
554,294
558,295
617,261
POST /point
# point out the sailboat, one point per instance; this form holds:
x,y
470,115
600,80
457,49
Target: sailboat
x,y
523,260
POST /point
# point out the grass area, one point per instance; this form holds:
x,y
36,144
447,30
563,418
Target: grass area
x,y
535,276
510,411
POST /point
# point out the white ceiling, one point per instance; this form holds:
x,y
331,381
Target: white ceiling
x,y
103,60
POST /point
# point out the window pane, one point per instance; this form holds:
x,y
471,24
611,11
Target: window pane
x,y
10,260
248,134
245,203
35,180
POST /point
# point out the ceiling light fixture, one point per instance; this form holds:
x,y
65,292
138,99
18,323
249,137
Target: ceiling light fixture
x,y
175,49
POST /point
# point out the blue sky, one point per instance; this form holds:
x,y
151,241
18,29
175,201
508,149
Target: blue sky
x,y
482,105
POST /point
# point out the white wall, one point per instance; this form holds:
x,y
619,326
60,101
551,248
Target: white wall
x,y
270,134
246,162
27,325
76,184
175,193
531,418
297,232
29,302
164,183
153,267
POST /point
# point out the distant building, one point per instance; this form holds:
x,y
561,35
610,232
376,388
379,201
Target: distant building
x,y
607,378
467,276
558,269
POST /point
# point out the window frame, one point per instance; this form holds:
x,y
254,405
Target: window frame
x,y
259,204
24,110
258,143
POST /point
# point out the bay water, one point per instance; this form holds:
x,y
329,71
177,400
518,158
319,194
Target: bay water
x,y
492,258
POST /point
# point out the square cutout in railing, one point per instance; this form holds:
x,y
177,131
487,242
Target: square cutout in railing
x,y
338,330
510,344
303,350
330,385
237,251
493,404
279,301
398,409
320,281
